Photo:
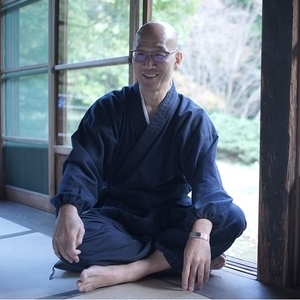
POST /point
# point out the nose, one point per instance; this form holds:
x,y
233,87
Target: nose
x,y
148,62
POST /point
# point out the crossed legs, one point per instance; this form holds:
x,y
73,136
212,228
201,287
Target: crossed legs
x,y
143,260
100,276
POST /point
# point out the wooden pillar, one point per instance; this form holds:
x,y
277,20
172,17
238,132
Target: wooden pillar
x,y
147,11
134,24
1,108
278,236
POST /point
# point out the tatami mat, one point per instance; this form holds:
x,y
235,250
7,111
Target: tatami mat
x,y
148,288
26,263
26,260
10,228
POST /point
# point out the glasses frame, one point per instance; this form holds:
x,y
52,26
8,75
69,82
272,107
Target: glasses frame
x,y
168,53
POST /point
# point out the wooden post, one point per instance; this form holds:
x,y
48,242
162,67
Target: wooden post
x,y
1,110
278,236
52,88
147,11
134,26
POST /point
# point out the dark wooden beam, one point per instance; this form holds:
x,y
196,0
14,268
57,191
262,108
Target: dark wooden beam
x,y
134,24
278,236
147,11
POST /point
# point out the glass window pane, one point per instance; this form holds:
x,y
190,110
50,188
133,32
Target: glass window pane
x,y
224,78
79,89
93,30
26,106
25,32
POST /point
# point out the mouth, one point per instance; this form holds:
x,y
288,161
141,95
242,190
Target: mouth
x,y
150,75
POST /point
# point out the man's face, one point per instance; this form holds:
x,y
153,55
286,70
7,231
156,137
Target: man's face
x,y
155,76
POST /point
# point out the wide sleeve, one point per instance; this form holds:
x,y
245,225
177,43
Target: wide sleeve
x,y
93,144
209,199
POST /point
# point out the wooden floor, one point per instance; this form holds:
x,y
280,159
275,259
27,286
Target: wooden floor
x,y
37,228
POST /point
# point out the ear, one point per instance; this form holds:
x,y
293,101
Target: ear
x,y
178,60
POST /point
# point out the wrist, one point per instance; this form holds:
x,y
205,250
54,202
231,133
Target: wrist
x,y
67,209
203,226
199,235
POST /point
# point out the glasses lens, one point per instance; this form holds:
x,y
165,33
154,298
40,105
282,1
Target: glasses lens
x,y
159,57
139,56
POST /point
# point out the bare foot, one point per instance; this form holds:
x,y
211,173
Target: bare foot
x,y
100,276
218,263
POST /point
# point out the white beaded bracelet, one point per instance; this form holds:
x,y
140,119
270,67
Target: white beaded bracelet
x,y
199,235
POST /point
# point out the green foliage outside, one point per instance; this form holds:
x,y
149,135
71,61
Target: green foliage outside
x,y
178,13
221,43
238,138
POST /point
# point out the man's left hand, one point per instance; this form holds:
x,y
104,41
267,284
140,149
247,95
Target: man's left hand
x,y
196,264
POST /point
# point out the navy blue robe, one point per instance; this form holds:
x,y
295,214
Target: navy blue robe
x,y
130,181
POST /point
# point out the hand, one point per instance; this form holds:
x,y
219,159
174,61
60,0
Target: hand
x,y
196,263
68,233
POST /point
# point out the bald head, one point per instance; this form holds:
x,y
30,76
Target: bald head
x,y
159,32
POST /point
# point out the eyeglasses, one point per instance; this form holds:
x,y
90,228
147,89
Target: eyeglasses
x,y
158,57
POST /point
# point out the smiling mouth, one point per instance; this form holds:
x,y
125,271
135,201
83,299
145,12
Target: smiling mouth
x,y
149,75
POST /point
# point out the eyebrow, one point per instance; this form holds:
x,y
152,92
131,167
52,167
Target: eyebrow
x,y
156,48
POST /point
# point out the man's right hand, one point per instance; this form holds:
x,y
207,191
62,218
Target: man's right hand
x,y
68,233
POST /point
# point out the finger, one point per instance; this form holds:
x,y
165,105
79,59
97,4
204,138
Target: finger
x,y
185,276
80,236
206,272
64,254
75,257
72,252
192,278
200,277
78,242
63,249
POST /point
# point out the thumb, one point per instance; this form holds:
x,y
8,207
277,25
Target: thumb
x,y
79,237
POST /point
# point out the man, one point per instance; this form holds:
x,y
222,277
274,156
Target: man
x,y
123,206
